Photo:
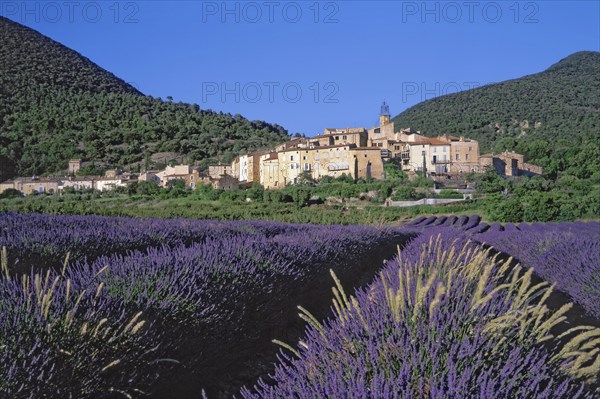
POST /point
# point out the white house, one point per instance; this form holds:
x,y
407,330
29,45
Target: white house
x,y
78,183
109,183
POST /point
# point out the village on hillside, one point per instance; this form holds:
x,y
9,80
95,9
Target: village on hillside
x,y
355,152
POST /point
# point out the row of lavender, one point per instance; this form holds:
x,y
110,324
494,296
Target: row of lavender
x,y
567,254
40,240
147,306
446,319
201,298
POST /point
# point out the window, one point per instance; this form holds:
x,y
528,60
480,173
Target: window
x,y
317,156
467,157
444,149
306,166
291,157
304,158
470,148
434,150
193,186
337,137
337,154
291,166
344,137
457,157
192,177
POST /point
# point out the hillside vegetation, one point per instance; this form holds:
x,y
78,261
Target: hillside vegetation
x,y
56,104
552,117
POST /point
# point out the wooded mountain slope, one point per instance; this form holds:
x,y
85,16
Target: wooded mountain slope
x,y
553,117
56,104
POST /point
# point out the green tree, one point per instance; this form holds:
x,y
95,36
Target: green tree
x,y
393,171
305,178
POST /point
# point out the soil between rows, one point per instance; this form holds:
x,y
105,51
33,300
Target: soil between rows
x,y
227,363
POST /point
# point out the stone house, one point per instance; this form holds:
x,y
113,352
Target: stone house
x,y
246,168
216,171
226,182
509,163
285,167
295,142
5,185
173,173
36,185
112,173
390,148
74,166
464,154
269,171
195,178
149,176
338,136
420,151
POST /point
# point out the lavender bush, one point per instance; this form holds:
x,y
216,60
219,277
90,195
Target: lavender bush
x,y
204,291
60,341
163,308
443,321
567,254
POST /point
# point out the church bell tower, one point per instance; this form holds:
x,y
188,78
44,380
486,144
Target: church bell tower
x,y
384,115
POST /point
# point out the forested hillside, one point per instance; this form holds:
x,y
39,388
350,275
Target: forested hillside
x,y
553,117
56,104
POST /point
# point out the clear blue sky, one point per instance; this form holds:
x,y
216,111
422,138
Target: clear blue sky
x,y
250,58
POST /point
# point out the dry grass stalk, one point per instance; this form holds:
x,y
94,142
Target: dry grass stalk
x,y
312,320
4,262
286,346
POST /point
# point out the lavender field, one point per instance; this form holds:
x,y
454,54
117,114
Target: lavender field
x,y
444,307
